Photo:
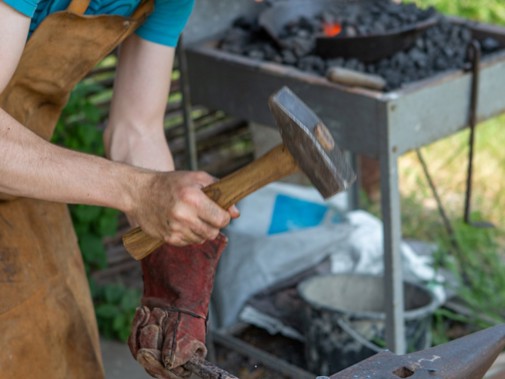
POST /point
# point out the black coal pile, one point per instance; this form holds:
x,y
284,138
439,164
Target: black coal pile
x,y
375,17
358,19
442,47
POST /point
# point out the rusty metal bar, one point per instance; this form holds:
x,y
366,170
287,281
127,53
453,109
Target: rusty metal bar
x,y
475,57
475,54
207,370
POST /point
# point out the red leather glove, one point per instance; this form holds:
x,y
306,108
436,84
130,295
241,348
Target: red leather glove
x,y
170,327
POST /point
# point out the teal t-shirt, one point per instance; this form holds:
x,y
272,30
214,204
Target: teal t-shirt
x,y
163,26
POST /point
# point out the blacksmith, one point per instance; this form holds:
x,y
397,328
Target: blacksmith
x,y
47,323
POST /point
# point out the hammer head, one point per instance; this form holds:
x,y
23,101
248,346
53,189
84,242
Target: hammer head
x,y
311,144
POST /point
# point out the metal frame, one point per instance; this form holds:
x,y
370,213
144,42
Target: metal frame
x,y
382,125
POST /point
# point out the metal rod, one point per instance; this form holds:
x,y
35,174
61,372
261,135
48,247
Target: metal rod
x,y
393,274
447,223
207,370
267,359
475,59
192,155
456,248
353,194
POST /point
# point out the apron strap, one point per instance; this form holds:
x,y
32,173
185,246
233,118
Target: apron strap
x,y
143,9
78,6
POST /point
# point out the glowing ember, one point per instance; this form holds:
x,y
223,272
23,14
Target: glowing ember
x,y
331,29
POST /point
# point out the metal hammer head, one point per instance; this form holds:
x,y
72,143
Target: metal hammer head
x,y
310,143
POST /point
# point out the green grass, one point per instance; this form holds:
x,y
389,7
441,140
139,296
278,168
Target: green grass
x,y
447,161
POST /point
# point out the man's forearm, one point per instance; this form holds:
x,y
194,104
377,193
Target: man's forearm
x,y
135,133
33,167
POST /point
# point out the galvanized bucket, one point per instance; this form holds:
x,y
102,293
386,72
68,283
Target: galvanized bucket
x,y
344,320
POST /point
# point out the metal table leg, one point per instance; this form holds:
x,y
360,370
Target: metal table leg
x,y
393,276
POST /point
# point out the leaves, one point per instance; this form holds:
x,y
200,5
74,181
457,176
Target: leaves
x,y
491,11
107,311
115,307
85,214
107,223
93,252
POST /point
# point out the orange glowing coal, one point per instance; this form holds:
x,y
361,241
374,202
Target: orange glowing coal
x,y
331,29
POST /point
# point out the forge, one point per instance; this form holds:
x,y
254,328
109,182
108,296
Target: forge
x,y
234,65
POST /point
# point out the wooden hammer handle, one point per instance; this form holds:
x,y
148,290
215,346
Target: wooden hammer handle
x,y
272,166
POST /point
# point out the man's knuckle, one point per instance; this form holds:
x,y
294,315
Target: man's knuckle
x,y
202,176
172,237
224,220
179,215
213,234
189,196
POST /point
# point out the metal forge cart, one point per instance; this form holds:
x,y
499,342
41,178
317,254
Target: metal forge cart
x,y
377,124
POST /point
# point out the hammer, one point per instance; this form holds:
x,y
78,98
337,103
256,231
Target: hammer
x,y
307,145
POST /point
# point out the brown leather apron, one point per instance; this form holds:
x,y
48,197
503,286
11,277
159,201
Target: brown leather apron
x,y
47,323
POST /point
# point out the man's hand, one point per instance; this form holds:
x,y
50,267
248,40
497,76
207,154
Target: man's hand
x,y
169,205
173,207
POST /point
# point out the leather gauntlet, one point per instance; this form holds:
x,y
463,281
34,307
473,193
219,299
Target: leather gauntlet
x,y
170,326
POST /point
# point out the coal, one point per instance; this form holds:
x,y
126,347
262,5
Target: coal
x,y
371,17
490,45
288,57
440,48
313,64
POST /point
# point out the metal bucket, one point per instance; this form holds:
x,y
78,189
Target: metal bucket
x,y
344,319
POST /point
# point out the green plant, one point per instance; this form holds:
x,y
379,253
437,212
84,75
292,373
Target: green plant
x,y
445,320
478,265
492,11
77,129
92,224
115,307
472,256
